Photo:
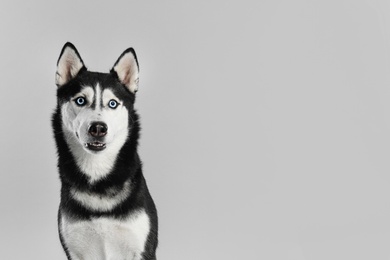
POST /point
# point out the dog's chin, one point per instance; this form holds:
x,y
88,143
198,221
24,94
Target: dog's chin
x,y
95,146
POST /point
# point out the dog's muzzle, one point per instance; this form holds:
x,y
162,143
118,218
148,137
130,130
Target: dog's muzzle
x,y
97,130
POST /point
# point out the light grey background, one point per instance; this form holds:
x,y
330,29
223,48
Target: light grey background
x,y
265,123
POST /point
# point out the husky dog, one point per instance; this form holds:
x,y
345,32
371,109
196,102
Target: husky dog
x,y
106,211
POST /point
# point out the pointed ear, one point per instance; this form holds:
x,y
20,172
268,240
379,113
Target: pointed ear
x,y
68,65
126,68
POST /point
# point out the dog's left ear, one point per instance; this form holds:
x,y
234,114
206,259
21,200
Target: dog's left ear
x,y
127,70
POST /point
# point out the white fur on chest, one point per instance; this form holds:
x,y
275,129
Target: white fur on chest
x,y
106,238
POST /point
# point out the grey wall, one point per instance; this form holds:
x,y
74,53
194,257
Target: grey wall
x,y
265,123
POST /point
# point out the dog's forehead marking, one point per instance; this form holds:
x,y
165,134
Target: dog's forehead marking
x,y
98,101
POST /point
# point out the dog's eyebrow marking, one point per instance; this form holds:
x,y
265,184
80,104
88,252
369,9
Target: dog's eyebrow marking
x,y
87,92
107,95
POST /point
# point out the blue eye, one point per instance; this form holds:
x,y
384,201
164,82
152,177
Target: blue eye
x,y
112,103
80,101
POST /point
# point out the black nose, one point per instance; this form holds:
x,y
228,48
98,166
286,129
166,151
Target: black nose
x,y
98,129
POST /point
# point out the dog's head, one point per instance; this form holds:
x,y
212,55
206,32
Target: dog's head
x,y
95,107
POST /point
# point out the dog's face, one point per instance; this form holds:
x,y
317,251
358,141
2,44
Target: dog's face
x,y
97,116
95,107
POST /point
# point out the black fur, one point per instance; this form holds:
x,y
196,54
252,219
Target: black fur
x,y
128,165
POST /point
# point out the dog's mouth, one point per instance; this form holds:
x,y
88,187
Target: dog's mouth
x,y
95,146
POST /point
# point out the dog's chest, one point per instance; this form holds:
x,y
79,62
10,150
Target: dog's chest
x,y
105,238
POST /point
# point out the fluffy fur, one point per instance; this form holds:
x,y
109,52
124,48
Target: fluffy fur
x,y
106,211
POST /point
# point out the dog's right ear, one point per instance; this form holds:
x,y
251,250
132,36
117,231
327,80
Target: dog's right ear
x,y
69,64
